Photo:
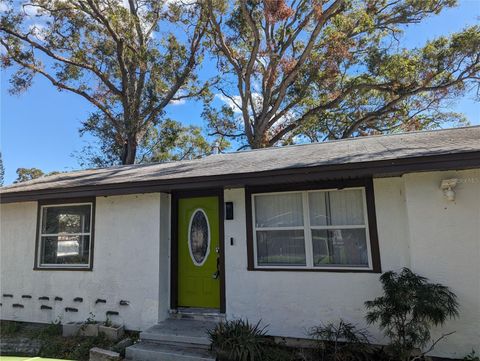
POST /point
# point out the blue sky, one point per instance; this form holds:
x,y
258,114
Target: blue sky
x,y
39,128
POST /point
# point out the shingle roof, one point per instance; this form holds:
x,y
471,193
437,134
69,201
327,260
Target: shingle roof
x,y
362,150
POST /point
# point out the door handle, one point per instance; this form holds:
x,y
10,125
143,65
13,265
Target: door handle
x,y
216,274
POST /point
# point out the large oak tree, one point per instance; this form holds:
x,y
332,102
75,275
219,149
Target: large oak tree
x,y
333,69
129,58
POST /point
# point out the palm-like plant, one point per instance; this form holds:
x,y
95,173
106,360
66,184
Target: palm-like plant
x,y
408,309
239,340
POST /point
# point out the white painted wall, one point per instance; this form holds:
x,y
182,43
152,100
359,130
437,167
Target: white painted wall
x,y
125,267
417,228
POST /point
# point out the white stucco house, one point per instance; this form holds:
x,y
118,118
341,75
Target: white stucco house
x,y
294,236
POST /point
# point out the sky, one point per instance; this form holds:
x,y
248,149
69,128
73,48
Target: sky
x,y
39,128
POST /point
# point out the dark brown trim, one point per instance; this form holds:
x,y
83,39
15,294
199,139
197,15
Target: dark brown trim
x,y
383,168
174,252
58,201
367,183
174,242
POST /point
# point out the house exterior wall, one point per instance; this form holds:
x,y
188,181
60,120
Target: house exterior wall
x,y
125,266
417,228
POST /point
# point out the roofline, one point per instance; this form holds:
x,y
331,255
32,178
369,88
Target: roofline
x,y
378,169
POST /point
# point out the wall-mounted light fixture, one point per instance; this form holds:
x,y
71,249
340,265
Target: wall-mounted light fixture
x,y
229,210
448,186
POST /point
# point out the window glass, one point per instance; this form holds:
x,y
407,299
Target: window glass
x,y
65,235
65,249
333,232
340,247
339,208
66,219
278,210
346,207
198,236
285,247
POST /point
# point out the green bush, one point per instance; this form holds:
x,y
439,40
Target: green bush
x,y
239,340
409,307
9,328
341,342
472,356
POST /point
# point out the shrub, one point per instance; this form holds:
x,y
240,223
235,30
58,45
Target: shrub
x,y
341,342
408,308
239,340
9,328
472,356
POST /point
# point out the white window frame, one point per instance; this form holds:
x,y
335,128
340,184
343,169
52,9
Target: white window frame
x,y
41,265
307,229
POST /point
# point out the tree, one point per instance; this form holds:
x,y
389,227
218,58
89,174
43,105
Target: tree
x,y
169,141
26,174
409,307
335,69
2,170
129,58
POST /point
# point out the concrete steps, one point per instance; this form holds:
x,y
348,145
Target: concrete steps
x,y
177,338
148,351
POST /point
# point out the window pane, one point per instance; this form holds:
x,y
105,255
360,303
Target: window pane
x,y
66,219
278,210
346,207
198,236
318,208
340,247
277,248
343,207
65,250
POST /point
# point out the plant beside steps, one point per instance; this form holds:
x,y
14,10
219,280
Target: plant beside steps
x,y
175,339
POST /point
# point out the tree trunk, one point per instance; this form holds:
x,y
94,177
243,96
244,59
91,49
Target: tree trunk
x,y
129,151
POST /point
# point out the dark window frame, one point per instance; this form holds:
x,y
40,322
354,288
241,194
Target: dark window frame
x,y
366,183
37,266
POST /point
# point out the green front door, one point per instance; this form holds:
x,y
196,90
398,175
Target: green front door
x,y
198,252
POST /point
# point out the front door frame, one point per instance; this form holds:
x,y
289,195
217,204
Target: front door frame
x,y
176,195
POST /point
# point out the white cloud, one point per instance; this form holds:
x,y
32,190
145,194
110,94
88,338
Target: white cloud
x,y
287,118
4,7
230,102
37,30
178,102
30,10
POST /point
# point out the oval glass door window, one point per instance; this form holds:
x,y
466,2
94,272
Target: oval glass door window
x,y
199,237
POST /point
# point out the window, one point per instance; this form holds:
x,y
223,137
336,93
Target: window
x,y
311,229
65,236
199,237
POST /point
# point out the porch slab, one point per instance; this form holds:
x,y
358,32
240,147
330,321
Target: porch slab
x,y
149,351
179,331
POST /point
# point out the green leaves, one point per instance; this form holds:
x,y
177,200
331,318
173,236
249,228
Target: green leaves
x,y
334,70
113,55
239,340
409,307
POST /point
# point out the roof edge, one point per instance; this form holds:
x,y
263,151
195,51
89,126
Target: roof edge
x,y
383,168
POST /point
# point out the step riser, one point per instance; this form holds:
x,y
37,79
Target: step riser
x,y
176,339
197,317
142,355
188,346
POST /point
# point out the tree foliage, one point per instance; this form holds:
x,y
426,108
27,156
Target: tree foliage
x,y
168,141
333,69
409,307
26,174
128,58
